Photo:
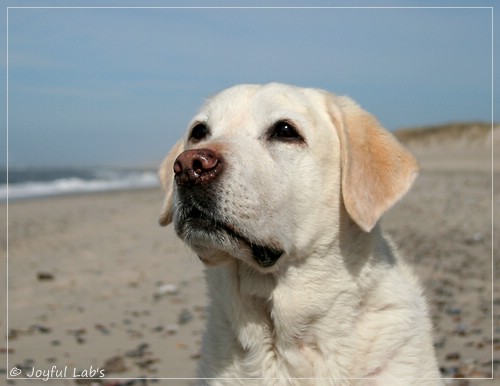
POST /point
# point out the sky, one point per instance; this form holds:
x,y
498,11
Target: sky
x,y
117,86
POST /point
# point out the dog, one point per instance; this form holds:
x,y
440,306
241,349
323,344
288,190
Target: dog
x,y
279,191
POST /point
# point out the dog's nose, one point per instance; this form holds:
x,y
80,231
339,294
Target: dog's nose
x,y
198,166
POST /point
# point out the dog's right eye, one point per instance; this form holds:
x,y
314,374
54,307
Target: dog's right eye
x,y
199,132
285,131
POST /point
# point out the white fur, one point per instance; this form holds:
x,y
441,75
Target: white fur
x,y
340,306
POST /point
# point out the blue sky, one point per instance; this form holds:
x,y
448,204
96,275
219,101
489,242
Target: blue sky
x,y
118,86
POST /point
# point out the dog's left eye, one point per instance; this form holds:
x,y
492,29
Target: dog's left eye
x,y
199,132
284,130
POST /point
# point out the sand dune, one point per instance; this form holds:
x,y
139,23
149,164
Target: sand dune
x,y
464,146
460,134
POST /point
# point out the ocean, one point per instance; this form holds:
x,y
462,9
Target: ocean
x,y
33,182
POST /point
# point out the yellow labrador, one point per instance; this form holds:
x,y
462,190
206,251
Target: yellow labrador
x,y
279,189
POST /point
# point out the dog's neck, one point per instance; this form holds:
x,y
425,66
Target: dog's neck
x,y
260,303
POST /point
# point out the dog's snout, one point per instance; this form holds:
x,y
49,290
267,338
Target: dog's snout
x,y
197,166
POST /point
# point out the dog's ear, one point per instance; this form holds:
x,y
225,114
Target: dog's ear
x,y
376,169
166,174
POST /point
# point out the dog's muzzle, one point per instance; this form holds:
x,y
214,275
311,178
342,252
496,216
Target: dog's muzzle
x,y
196,171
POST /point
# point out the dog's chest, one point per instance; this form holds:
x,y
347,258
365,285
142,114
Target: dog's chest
x,y
270,346
274,331
288,342
290,353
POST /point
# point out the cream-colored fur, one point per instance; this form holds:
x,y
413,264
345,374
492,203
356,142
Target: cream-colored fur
x,y
339,306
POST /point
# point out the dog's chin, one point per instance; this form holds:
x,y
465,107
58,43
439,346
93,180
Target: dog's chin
x,y
216,242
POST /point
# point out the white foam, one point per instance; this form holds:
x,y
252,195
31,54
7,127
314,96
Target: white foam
x,y
133,180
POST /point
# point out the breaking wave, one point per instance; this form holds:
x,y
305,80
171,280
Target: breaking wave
x,y
26,183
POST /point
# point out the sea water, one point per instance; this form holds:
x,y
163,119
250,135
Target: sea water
x,y
30,182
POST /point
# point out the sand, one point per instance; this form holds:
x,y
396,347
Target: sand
x,y
94,279
96,287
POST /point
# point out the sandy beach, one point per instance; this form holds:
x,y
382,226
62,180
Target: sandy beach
x,y
97,288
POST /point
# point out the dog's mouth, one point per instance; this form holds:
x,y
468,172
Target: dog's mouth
x,y
195,219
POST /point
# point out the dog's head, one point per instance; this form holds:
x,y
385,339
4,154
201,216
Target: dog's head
x,y
265,172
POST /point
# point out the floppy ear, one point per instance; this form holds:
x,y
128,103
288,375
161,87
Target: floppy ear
x,y
376,169
166,174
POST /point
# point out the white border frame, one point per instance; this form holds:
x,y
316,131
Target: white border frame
x,y
491,8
